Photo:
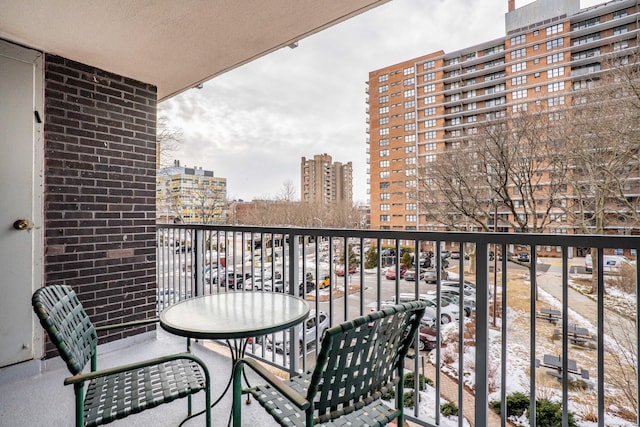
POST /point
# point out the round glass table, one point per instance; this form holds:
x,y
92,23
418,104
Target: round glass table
x,y
233,317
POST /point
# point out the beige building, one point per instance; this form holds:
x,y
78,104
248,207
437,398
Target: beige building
x,y
326,182
190,195
433,103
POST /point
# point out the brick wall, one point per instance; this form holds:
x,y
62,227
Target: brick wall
x,y
100,153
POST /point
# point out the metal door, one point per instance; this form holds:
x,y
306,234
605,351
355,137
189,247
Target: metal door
x,y
21,188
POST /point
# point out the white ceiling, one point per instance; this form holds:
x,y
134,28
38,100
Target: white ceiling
x,y
173,44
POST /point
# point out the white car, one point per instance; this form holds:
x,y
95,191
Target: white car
x,y
313,328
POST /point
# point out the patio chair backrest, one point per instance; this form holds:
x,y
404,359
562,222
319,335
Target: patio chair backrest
x,y
360,359
61,314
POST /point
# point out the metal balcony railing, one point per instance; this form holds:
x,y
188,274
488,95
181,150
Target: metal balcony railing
x,y
527,302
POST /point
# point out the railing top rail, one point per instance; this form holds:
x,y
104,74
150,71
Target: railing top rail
x,y
537,239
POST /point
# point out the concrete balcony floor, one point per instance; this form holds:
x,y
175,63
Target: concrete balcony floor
x,y
32,398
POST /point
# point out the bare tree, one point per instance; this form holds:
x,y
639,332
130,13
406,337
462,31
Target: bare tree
x,y
604,142
168,141
516,163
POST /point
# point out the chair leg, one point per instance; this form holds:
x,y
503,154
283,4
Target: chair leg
x,y
79,392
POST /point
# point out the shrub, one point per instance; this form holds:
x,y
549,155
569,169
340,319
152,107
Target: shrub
x,y
448,409
409,399
517,403
549,414
371,259
406,260
410,378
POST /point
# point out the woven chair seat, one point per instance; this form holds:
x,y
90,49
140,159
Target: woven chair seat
x,y
117,396
376,413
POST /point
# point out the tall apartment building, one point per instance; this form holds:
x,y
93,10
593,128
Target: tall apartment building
x,y
430,104
190,195
325,182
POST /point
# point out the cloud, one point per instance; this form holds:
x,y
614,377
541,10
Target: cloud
x,y
253,124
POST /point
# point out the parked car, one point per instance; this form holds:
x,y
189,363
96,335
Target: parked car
x,y
430,275
523,257
340,270
306,287
455,255
390,273
313,328
610,263
325,282
276,285
410,275
448,312
428,336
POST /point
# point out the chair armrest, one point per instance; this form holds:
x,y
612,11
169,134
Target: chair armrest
x,y
82,377
128,324
276,382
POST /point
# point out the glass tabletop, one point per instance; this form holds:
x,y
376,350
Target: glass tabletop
x,y
234,315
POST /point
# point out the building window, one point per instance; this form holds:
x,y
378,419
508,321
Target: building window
x,y
472,119
555,86
558,100
552,44
408,82
384,174
430,134
428,65
620,30
410,104
430,123
516,40
429,76
410,115
554,29
430,146
385,207
383,110
431,87
409,138
383,88
384,185
518,53
556,57
385,196
408,71
471,106
411,184
519,80
383,99
409,172
383,78
455,97
384,142
430,158
431,99
384,153
519,94
384,163
555,72
409,93
621,45
517,108
430,111
384,120
520,66
384,131
620,14
410,149
384,218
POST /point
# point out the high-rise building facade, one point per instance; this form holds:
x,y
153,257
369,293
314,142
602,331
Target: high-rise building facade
x,y
326,182
427,105
190,195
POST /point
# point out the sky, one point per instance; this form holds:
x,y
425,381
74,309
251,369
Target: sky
x,y
253,124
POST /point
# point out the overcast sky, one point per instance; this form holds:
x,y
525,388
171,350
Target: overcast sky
x,y
253,124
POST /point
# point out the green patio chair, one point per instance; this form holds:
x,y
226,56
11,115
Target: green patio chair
x,y
358,363
120,391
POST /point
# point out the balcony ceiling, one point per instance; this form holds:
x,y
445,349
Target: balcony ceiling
x,y
174,45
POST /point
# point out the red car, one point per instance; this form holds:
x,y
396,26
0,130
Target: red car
x,y
390,274
340,271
